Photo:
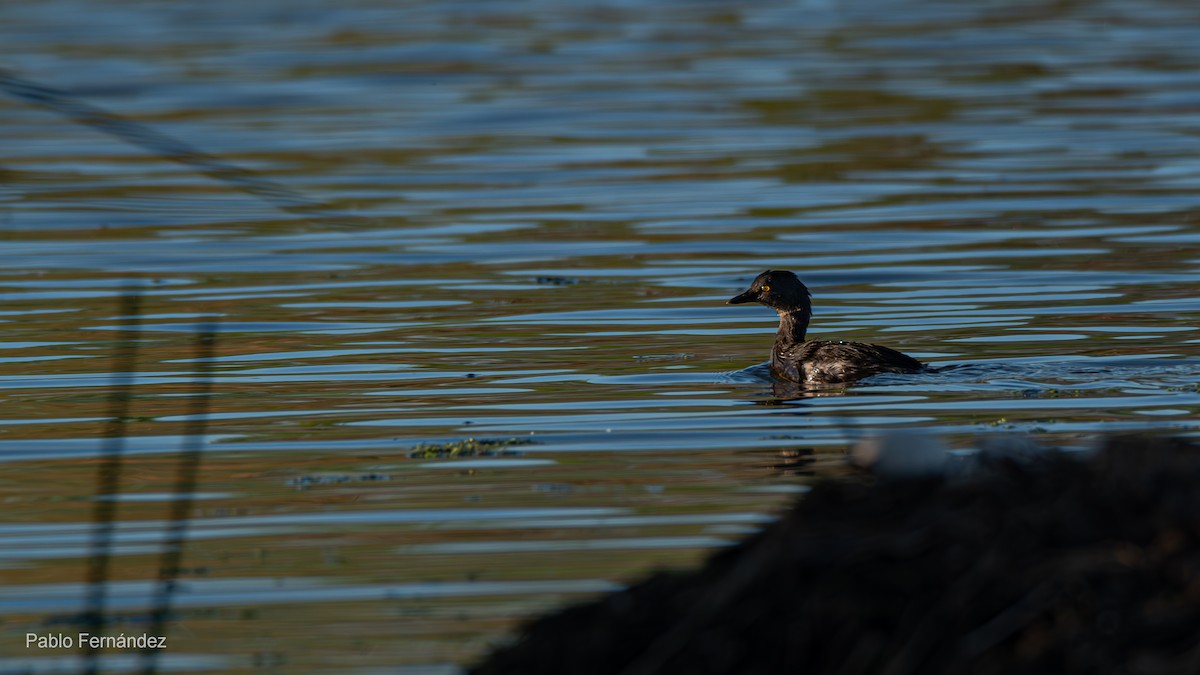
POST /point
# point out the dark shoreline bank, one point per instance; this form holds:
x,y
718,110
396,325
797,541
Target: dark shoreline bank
x,y
1059,564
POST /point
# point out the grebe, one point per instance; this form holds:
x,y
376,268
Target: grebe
x,y
815,361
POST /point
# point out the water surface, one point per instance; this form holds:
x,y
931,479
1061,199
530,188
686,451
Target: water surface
x,y
487,367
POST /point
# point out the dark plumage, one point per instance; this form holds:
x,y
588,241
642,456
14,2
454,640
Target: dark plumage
x,y
815,361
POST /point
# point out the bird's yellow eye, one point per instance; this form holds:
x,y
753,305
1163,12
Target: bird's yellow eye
x,y
764,289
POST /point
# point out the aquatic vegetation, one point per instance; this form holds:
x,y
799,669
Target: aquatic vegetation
x,y
468,447
311,480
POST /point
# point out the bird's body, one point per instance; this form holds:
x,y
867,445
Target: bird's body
x,y
821,362
816,362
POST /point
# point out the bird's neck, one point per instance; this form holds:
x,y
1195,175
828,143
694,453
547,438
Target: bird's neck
x,y
792,327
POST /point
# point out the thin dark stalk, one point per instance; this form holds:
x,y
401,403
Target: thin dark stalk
x,y
161,144
190,455
108,473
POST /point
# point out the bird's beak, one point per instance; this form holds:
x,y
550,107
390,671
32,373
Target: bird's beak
x,y
748,296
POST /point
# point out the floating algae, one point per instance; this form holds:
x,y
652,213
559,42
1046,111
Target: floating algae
x,y
469,447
